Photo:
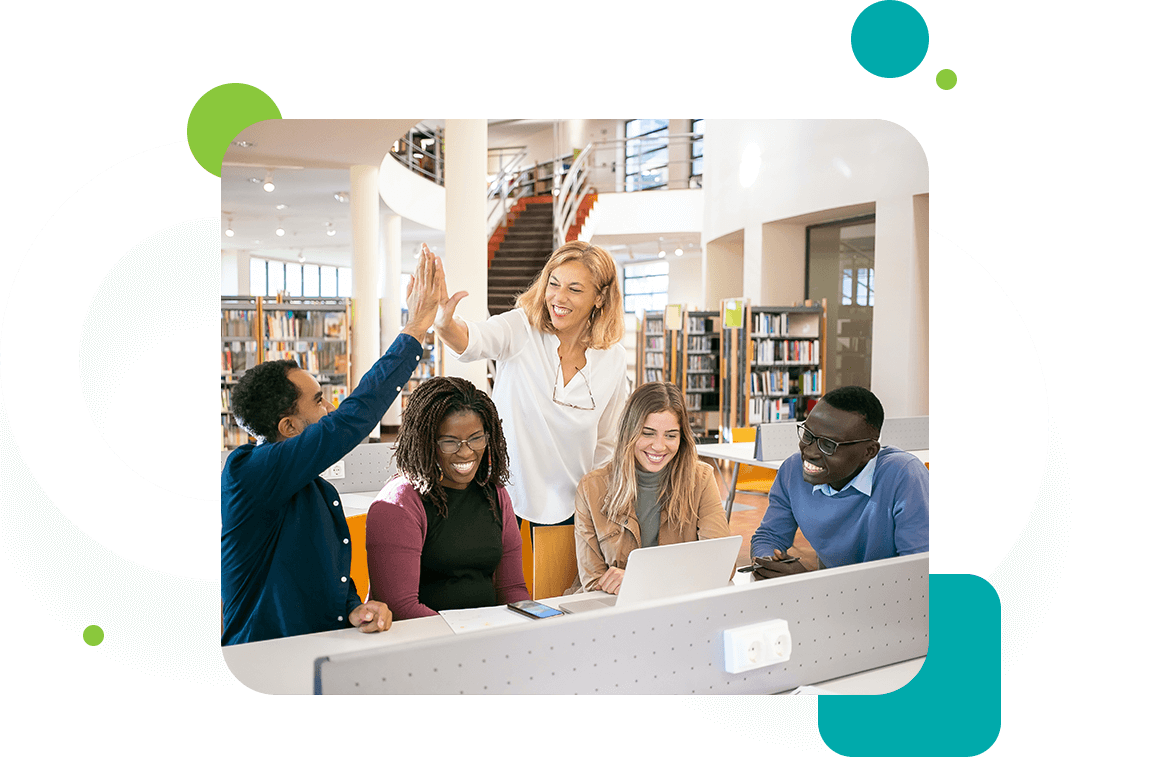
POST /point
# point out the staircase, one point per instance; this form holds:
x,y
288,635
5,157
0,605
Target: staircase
x,y
517,251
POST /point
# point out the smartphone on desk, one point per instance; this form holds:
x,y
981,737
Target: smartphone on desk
x,y
533,609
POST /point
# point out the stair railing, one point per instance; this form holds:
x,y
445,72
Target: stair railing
x,y
499,199
572,190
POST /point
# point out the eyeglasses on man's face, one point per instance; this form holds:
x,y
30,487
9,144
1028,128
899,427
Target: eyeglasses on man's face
x,y
825,445
574,407
477,443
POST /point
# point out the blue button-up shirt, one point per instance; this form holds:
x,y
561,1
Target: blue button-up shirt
x,y
882,512
285,547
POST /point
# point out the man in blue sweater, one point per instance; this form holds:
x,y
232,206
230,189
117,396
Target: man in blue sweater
x,y
853,499
285,546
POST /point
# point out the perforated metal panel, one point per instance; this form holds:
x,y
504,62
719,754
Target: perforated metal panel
x,y
907,433
842,621
366,468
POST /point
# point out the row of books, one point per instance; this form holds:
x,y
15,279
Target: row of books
x,y
699,324
702,381
784,382
655,359
702,362
694,402
774,351
330,357
238,356
784,323
653,374
238,323
654,326
232,435
655,342
771,410
310,324
699,342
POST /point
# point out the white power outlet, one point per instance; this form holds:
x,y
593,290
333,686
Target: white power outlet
x,y
335,471
756,645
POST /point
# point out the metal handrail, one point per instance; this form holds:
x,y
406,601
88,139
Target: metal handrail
x,y
574,187
499,197
436,154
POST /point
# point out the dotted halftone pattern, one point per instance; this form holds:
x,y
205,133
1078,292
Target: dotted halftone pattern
x,y
161,624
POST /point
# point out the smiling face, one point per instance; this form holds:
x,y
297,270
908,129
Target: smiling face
x,y
837,469
571,297
657,441
311,407
458,468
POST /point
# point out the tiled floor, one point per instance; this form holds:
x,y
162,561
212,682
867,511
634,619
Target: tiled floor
x,y
746,516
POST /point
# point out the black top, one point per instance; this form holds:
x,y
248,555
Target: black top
x,y
461,552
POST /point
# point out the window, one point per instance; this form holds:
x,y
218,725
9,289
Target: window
x,y
646,285
268,277
646,154
697,130
841,271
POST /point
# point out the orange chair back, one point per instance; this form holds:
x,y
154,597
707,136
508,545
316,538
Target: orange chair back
x,y
555,560
752,478
357,525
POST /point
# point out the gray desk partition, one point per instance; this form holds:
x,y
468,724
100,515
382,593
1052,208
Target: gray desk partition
x,y
366,468
907,433
842,621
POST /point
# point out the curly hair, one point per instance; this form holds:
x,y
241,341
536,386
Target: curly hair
x,y
264,396
428,407
606,326
858,399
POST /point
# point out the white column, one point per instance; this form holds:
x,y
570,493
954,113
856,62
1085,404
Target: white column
x,y
390,303
753,264
365,268
465,231
899,354
242,272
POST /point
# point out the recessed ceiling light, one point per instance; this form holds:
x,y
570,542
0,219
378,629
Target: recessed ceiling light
x,y
678,252
269,182
243,143
330,232
281,206
661,253
280,231
342,197
228,232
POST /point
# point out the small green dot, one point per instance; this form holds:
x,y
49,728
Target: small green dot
x,y
946,79
93,635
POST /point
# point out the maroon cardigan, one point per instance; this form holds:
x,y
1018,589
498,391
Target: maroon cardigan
x,y
396,526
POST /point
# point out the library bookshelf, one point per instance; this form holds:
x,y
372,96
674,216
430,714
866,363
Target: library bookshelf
x,y
314,332
772,363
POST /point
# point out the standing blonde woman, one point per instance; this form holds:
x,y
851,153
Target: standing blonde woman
x,y
561,382
655,491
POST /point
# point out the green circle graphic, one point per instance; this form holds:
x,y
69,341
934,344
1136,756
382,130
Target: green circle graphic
x,y
220,115
93,635
946,79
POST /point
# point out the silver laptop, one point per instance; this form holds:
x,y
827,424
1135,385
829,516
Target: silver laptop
x,y
670,570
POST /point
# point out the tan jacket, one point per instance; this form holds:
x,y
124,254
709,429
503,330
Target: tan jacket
x,y
602,543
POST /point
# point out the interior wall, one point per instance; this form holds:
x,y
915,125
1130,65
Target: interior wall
x,y
722,269
685,286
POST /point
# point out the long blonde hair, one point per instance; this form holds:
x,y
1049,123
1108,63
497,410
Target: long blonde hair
x,y
606,326
677,485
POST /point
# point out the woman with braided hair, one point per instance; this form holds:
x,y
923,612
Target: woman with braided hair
x,y
442,534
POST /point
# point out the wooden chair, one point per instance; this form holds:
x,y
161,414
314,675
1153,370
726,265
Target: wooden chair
x,y
752,478
528,557
357,525
554,568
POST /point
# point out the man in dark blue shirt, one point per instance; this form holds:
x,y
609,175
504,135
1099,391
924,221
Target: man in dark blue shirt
x,y
285,546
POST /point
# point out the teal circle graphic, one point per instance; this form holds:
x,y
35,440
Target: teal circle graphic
x,y
946,79
220,115
889,39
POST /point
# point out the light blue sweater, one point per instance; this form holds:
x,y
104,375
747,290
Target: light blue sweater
x,y
881,513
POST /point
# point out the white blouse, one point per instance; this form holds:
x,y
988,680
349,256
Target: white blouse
x,y
551,446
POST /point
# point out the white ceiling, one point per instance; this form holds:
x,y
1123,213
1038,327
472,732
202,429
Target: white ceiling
x,y
310,161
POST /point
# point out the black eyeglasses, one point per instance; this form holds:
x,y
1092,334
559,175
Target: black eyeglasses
x,y
826,446
475,443
575,407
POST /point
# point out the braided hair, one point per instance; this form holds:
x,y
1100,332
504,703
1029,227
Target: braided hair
x,y
416,447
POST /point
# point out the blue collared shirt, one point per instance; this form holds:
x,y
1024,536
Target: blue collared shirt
x,y
882,512
285,546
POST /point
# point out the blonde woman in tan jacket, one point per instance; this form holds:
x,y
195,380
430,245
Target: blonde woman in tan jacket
x,y
654,491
